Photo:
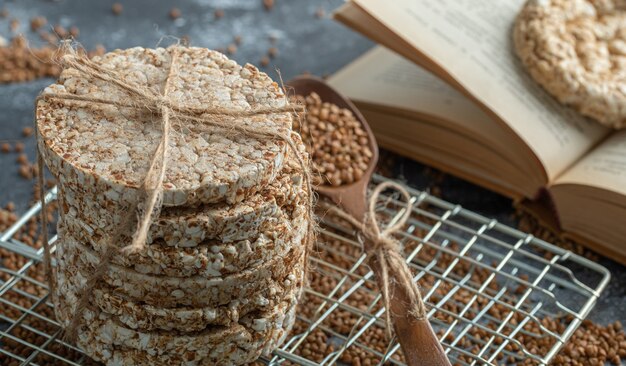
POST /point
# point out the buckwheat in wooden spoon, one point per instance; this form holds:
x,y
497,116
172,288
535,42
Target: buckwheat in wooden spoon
x,y
417,338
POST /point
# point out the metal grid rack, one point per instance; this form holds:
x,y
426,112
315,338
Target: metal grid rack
x,y
496,295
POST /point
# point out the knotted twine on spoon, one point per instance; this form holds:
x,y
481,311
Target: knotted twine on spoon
x,y
382,247
151,190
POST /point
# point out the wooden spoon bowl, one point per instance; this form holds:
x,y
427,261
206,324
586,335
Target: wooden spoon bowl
x,y
351,197
417,338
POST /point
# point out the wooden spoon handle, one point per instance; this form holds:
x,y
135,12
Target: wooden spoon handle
x,y
419,343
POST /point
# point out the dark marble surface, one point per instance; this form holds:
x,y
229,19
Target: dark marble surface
x,y
304,42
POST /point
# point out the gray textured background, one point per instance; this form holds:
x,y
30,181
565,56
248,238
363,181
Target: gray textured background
x,y
305,43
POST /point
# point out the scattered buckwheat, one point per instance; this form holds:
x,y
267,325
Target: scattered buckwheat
x,y
19,63
37,22
19,147
14,25
338,144
5,148
74,31
268,4
60,31
265,61
27,131
219,14
117,8
231,49
237,40
26,171
22,159
175,13
272,52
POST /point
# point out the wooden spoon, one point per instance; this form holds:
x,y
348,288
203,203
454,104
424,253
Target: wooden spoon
x,y
417,338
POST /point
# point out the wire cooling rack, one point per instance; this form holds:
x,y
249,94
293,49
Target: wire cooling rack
x,y
495,295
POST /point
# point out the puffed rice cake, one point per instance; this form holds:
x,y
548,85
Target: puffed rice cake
x,y
138,315
208,259
190,226
166,291
102,336
576,50
107,149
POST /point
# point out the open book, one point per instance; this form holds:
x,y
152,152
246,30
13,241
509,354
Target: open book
x,y
469,108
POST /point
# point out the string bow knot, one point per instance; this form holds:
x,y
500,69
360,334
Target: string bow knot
x,y
386,252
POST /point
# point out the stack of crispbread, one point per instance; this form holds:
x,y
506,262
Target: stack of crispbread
x,y
224,263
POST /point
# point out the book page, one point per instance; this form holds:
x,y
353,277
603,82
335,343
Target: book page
x,y
604,167
381,78
471,40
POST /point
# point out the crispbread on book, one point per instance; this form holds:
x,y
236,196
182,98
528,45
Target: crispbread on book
x,y
470,109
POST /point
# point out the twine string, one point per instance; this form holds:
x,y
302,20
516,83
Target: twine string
x,y
151,190
387,252
152,184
